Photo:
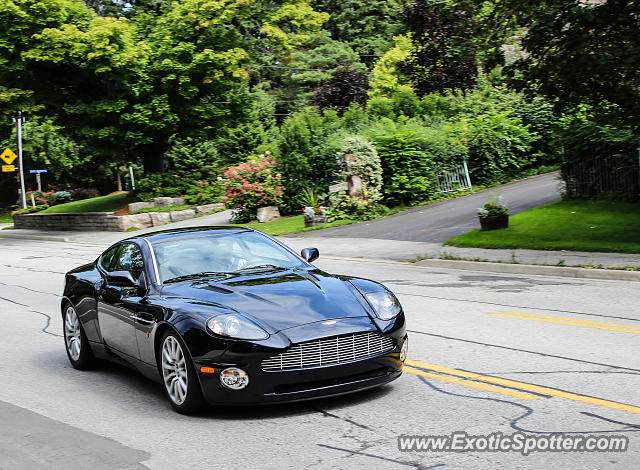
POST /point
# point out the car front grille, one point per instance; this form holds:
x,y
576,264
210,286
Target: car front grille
x,y
330,351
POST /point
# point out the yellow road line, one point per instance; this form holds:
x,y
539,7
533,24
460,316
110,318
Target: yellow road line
x,y
469,383
532,388
563,322
574,320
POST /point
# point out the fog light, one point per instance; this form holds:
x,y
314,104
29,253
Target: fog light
x,y
235,379
403,351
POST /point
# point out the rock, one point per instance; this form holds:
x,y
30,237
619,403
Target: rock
x,y
135,220
205,209
136,206
178,201
268,213
160,218
177,216
163,201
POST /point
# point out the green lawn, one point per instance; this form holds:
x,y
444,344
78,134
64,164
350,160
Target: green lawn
x,y
109,203
293,224
607,226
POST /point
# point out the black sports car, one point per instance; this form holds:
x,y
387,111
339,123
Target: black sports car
x,y
230,315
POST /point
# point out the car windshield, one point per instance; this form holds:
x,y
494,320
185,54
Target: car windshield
x,y
217,255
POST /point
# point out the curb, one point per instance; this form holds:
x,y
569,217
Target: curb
x,y
44,238
558,271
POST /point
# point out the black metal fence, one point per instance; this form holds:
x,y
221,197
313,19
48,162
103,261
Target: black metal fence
x,y
616,177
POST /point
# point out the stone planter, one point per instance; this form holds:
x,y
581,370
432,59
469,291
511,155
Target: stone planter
x,y
315,220
494,222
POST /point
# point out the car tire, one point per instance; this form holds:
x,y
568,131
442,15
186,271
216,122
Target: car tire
x,y
179,379
75,340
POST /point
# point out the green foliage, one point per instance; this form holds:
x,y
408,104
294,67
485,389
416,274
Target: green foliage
x,y
367,27
499,147
582,52
411,155
30,209
167,185
204,192
306,153
195,156
363,161
351,208
387,79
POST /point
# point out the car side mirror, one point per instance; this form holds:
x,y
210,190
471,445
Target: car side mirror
x,y
121,279
310,254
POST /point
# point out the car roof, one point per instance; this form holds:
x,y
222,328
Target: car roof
x,y
164,235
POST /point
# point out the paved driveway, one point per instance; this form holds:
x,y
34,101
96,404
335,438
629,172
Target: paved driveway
x,y
437,223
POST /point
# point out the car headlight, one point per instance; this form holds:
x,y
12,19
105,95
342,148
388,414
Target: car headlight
x,y
384,304
235,326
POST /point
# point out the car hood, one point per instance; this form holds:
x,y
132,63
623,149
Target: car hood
x,y
278,300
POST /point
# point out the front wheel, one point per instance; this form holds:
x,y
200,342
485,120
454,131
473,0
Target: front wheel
x,y
75,341
178,375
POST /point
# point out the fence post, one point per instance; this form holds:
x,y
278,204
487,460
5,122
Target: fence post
x,y
466,173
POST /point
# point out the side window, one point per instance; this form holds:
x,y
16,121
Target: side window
x,y
129,259
108,258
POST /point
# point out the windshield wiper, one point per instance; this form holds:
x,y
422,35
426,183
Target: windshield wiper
x,y
188,277
261,267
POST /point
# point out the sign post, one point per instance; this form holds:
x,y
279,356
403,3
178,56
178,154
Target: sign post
x,y
38,180
23,194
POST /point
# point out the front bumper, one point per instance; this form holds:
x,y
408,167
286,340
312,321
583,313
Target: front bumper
x,y
301,384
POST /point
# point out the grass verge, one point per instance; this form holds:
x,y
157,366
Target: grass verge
x,y
292,224
5,217
607,226
109,203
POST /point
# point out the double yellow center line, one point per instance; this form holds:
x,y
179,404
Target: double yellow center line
x,y
598,325
505,386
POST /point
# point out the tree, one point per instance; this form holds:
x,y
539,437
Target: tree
x,y
583,52
387,79
347,85
368,27
443,53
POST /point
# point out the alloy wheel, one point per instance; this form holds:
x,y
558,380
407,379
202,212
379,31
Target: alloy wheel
x,y
174,370
72,335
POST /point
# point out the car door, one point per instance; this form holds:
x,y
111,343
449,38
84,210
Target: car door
x,y
117,304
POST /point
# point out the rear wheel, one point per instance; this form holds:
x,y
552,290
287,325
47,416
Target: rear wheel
x,y
178,375
75,340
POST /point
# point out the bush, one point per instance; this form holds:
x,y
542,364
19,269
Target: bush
x,y
204,192
30,210
79,194
167,185
41,198
407,168
251,185
351,208
61,197
498,148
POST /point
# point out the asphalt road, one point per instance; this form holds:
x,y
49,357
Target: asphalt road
x,y
569,348
436,223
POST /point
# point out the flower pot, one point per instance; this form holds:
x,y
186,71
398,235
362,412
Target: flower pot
x,y
315,220
494,222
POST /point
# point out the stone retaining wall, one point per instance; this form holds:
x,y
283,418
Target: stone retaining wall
x,y
106,221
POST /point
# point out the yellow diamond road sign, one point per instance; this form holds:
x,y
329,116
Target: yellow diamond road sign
x,y
8,168
8,156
